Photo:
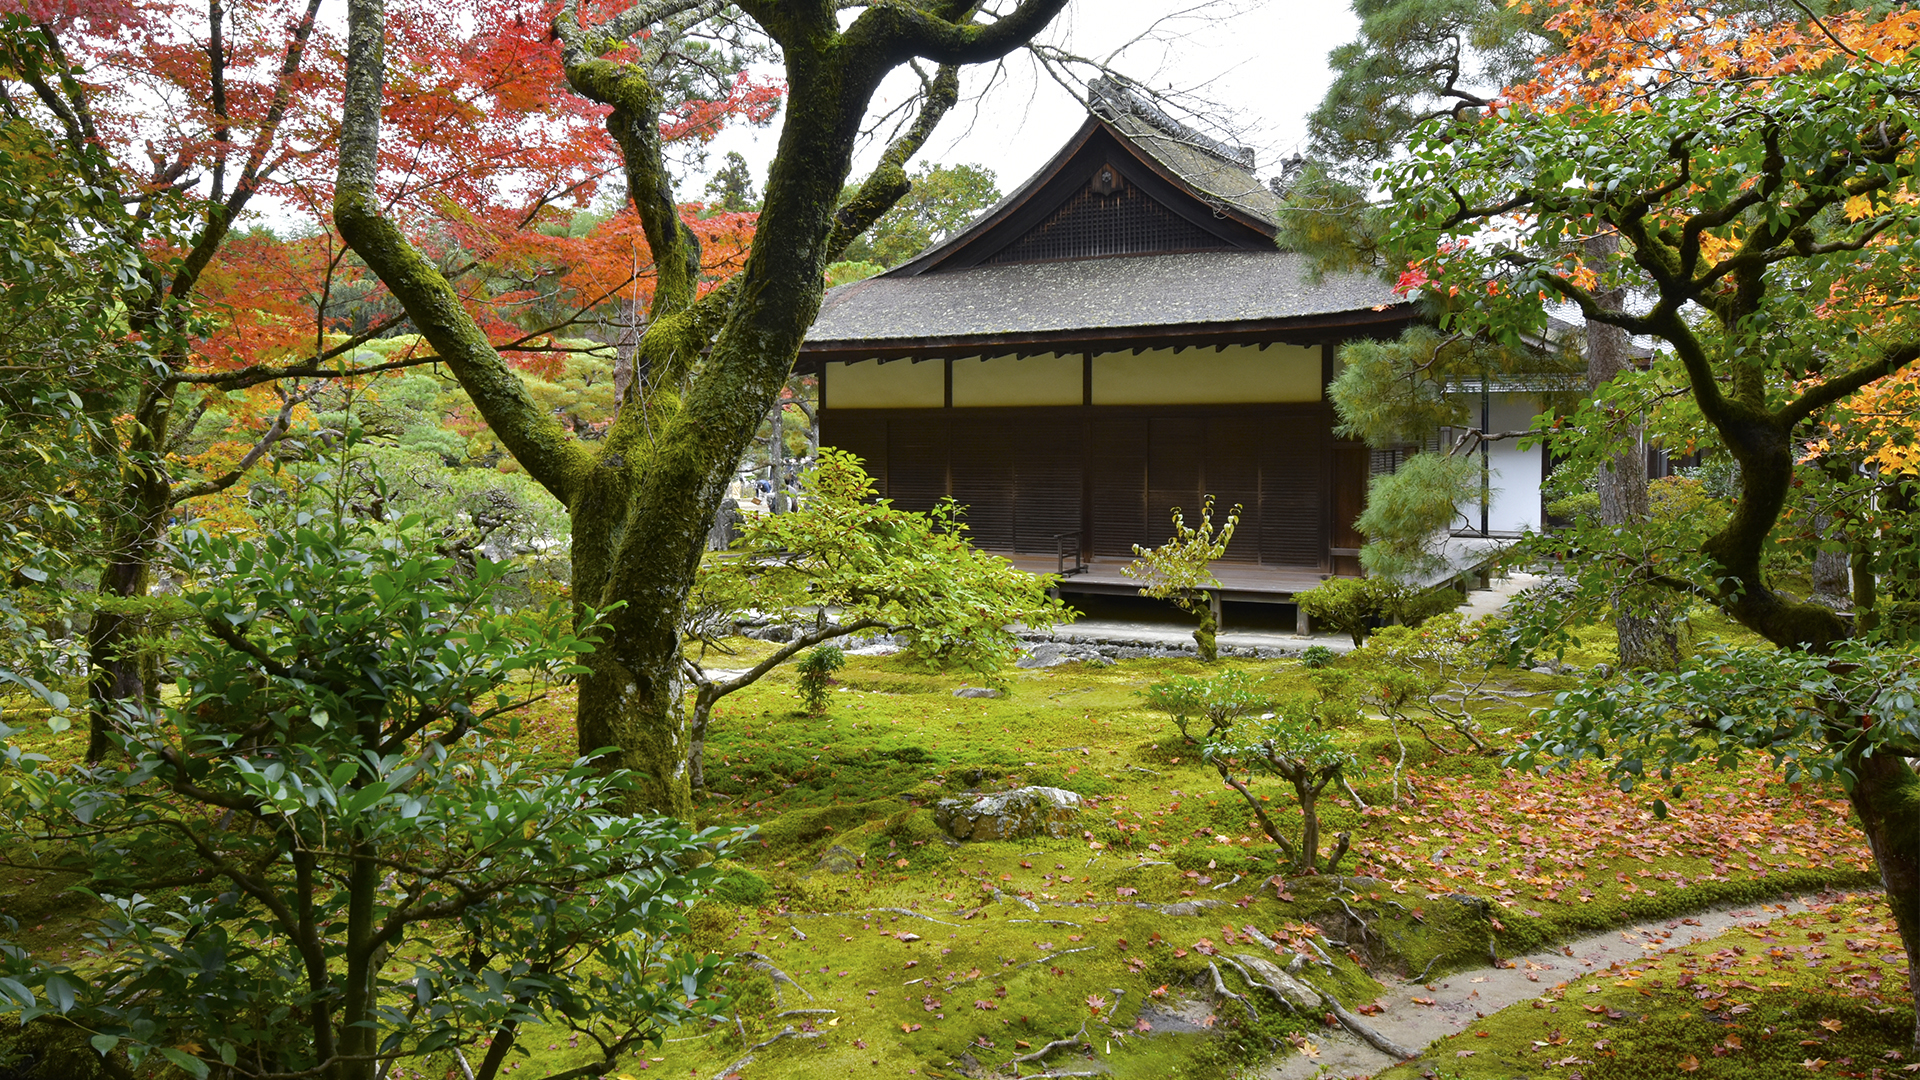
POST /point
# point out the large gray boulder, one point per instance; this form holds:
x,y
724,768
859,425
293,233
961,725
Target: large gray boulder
x,y
1006,815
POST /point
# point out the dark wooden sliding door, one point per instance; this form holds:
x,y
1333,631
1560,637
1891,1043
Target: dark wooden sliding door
x,y
1027,475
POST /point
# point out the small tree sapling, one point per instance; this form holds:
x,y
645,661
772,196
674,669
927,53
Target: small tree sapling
x,y
873,566
1181,570
816,675
1294,745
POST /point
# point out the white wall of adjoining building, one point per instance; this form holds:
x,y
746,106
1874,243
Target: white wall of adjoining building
x,y
1515,473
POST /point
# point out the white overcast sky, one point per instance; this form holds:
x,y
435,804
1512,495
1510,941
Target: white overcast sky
x,y
1265,60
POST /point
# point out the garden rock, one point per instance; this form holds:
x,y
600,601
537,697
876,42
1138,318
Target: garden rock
x,y
874,645
1005,815
1182,1018
838,860
1054,653
976,691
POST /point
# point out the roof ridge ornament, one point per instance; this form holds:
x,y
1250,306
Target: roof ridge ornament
x,y
1110,99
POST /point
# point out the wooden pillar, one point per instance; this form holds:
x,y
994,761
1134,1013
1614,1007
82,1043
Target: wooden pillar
x,y
1301,624
1219,611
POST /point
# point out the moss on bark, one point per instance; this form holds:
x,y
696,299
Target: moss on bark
x,y
641,502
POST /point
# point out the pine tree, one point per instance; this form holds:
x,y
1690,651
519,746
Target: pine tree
x,y
732,186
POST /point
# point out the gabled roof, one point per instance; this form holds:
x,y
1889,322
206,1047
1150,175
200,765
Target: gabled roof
x,y
1132,180
1213,294
1216,170
1139,232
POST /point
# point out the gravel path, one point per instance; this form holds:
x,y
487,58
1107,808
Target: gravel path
x,y
1464,997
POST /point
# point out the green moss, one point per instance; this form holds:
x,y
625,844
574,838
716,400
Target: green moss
x,y
741,887
45,1050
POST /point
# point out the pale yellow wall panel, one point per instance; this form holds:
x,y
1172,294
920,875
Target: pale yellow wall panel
x,y
1238,374
899,384
1003,380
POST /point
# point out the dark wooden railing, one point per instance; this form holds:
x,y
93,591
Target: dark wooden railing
x,y
1061,553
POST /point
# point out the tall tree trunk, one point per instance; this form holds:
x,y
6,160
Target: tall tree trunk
x,y
1647,638
116,673
632,696
640,503
119,670
1886,795
1830,583
703,701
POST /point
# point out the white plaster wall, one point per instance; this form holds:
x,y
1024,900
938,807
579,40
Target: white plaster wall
x,y
1515,472
1035,380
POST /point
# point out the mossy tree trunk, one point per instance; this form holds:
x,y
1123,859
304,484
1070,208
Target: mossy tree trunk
x,y
1205,638
641,500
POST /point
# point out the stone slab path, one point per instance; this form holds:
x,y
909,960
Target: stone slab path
x,y
1464,997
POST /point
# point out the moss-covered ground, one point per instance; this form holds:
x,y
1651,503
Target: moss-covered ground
x,y
942,959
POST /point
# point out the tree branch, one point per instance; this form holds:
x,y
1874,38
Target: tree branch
x,y
535,437
888,184
1840,386
897,29
275,432
787,651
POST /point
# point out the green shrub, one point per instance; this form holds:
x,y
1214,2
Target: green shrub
x,y
1317,656
816,675
1353,606
344,696
1221,699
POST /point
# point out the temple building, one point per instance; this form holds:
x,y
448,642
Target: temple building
x,y
1119,337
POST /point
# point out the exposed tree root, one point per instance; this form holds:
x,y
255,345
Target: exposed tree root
x,y
1251,982
1068,1043
788,1032
759,962
1368,1033
1072,1042
1044,959
1220,987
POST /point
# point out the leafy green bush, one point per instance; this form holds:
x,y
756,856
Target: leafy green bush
x,y
1432,672
1578,507
288,846
1684,498
1221,700
1353,606
1291,744
1318,656
816,675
